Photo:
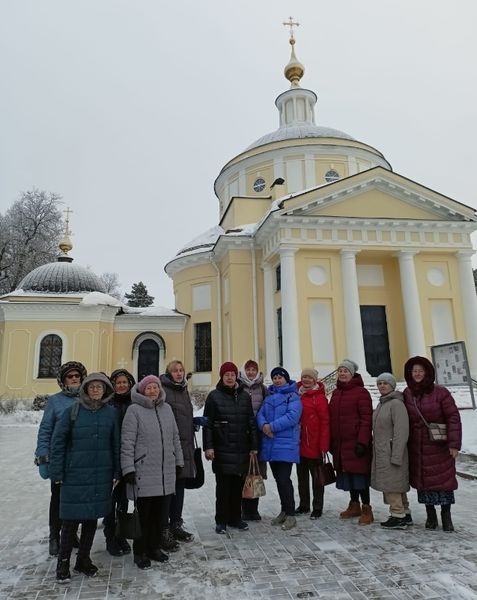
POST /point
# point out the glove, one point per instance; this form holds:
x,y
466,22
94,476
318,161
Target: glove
x,y
44,469
130,477
360,450
178,471
200,421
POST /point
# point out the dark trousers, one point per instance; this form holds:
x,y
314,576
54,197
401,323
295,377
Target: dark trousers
x,y
282,472
119,501
228,498
355,494
249,507
305,468
153,516
54,518
68,535
177,504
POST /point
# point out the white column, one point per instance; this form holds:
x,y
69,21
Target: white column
x,y
271,342
353,326
416,344
290,325
469,306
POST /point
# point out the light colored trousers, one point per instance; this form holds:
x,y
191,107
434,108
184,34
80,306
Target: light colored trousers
x,y
398,503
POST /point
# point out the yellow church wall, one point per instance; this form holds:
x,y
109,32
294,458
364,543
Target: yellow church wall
x,y
242,211
325,163
264,171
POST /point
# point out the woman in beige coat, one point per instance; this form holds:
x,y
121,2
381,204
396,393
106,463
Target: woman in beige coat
x,y
390,465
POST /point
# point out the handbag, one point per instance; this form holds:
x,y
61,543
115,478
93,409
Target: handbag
x,y
253,486
437,431
325,473
194,483
128,524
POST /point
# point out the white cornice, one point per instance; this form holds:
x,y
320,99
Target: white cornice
x,y
172,323
55,312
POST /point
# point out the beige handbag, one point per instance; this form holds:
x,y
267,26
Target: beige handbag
x,y
254,486
437,431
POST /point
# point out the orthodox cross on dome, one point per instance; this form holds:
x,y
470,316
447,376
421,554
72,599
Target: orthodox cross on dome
x,y
291,24
65,242
67,212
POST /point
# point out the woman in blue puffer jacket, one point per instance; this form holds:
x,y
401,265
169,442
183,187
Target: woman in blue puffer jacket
x,y
279,421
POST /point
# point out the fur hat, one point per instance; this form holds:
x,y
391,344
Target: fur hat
x,y
349,364
65,368
251,363
226,367
118,373
387,378
311,373
141,386
280,371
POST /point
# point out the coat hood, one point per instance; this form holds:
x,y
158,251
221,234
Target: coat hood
x,y
137,398
86,401
427,384
168,382
391,396
356,381
287,388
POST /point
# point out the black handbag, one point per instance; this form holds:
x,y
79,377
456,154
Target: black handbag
x,y
325,473
194,483
128,524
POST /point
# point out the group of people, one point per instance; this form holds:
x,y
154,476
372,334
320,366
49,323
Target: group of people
x,y
106,440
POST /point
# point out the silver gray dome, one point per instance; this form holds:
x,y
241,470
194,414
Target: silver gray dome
x,y
61,277
300,132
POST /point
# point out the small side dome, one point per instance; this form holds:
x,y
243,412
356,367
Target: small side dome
x,y
62,277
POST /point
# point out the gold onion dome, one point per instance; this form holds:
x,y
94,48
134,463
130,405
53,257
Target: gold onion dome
x,y
294,70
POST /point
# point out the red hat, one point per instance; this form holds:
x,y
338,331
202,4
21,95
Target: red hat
x,y
226,367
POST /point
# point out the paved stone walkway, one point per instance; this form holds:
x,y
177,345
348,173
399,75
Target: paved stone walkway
x,y
327,558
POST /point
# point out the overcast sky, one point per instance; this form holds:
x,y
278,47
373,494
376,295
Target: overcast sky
x,y
130,108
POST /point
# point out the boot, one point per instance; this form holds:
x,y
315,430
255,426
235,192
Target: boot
x,y
279,519
167,541
353,510
431,521
63,574
289,523
113,546
367,516
180,534
85,566
446,518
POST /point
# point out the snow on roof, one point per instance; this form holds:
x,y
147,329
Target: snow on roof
x,y
98,299
151,311
208,238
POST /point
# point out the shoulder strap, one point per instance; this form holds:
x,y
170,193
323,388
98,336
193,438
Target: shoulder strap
x,y
420,413
74,412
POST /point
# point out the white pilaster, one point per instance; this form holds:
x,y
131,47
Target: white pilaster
x,y
290,326
416,344
469,308
271,343
353,326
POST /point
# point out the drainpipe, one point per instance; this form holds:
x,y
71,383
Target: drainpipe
x,y
219,311
254,301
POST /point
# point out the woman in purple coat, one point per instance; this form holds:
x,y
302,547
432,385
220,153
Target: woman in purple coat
x,y
431,464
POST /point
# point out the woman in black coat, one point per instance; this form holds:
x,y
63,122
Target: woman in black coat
x,y
230,437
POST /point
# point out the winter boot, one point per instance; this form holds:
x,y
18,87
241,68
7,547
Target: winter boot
x,y
63,574
288,523
142,562
180,534
395,523
85,566
431,521
367,516
167,541
446,518
408,519
158,555
279,519
124,545
353,510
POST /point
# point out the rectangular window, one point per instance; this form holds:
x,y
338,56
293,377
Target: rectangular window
x,y
203,347
279,333
278,278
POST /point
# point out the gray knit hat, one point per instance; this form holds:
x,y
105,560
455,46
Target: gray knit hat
x,y
311,373
388,378
349,364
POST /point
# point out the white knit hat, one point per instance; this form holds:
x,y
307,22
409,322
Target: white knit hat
x,y
387,378
349,364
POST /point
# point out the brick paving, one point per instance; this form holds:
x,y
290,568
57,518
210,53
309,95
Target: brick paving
x,y
326,558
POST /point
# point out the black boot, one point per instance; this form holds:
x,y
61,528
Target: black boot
x,y
446,518
63,574
167,541
431,521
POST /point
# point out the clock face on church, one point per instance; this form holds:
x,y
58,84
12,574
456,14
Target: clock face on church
x,y
259,184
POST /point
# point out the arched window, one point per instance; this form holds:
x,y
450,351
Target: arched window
x,y
51,348
148,352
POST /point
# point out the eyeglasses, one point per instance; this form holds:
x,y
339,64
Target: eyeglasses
x,y
73,376
95,386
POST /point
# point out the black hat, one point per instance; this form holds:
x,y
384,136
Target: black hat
x,y
72,365
280,371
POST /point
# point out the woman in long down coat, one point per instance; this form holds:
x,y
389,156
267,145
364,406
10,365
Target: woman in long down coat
x,y
150,455
431,464
351,412
174,383
390,465
85,461
230,437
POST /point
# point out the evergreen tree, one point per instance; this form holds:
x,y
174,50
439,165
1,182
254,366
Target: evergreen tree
x,y
138,296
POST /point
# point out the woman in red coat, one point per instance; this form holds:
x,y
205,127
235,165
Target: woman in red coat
x,y
351,413
431,464
314,440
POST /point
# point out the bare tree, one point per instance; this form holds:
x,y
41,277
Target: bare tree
x,y
30,232
112,285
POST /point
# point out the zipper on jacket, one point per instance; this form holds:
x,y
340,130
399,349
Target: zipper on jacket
x,y
162,443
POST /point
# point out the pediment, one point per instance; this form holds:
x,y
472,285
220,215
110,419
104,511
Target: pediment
x,y
377,194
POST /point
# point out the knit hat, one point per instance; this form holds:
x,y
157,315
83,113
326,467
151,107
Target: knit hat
x,y
65,368
250,363
141,386
387,378
280,371
349,364
226,367
311,373
118,373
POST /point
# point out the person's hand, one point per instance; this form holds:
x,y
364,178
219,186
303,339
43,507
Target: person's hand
x,y
130,477
209,454
360,450
179,470
44,469
267,430
453,452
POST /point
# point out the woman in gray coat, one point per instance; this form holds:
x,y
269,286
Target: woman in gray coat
x,y
150,456
390,465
